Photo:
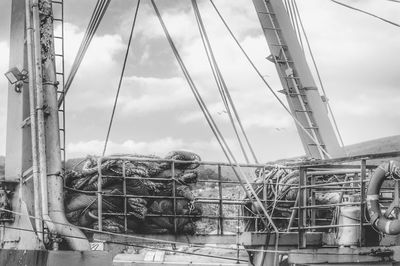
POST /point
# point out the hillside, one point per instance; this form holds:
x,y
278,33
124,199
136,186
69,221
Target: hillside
x,y
387,144
380,145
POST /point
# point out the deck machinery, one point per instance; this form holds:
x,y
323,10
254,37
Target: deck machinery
x,y
34,230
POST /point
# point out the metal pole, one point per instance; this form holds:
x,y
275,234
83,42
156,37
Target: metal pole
x,y
294,212
174,195
302,217
362,199
125,198
48,129
40,115
99,196
221,219
32,105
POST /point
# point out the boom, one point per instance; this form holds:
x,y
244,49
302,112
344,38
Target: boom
x,y
305,102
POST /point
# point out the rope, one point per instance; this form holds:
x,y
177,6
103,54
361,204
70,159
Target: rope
x,y
121,76
160,241
318,73
267,84
223,89
95,19
367,13
221,140
137,245
147,238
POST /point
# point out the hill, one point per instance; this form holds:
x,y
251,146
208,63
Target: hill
x,y
387,144
380,145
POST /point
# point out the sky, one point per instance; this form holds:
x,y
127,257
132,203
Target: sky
x,y
358,57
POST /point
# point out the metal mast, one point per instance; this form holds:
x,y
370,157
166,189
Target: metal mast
x,y
34,165
304,99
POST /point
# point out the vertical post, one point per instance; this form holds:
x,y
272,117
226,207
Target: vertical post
x,y
265,194
312,191
302,214
99,196
238,232
220,218
294,212
174,195
125,198
362,199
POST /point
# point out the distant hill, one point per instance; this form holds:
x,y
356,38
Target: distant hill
x,y
380,145
387,144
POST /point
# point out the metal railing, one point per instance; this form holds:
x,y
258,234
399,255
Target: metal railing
x,y
303,211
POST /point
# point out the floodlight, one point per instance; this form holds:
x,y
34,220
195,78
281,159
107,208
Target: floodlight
x,y
17,77
14,75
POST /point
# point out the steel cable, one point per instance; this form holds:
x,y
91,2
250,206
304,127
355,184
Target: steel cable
x,y
267,84
367,13
96,18
318,73
223,89
153,239
225,148
121,76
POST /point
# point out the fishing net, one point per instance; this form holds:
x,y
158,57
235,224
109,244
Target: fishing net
x,y
278,188
149,186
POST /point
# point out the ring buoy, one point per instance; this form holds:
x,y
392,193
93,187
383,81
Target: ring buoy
x,y
377,220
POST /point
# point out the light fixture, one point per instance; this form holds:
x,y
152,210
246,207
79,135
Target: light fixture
x,y
17,77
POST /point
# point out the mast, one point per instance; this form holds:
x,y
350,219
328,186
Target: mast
x,y
303,97
33,154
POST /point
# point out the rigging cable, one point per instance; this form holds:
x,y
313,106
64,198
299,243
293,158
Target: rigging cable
x,y
223,89
249,190
160,241
318,73
215,70
267,84
367,13
292,16
95,19
121,76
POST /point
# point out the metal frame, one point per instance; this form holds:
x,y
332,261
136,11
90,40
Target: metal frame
x,y
303,211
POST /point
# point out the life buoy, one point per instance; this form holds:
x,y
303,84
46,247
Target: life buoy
x,y
378,221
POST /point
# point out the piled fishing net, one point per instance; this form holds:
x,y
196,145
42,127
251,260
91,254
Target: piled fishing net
x,y
149,185
278,188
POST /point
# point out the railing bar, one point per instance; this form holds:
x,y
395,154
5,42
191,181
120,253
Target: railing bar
x,y
221,221
99,196
125,198
174,195
362,198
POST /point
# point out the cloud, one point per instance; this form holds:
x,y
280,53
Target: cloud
x,y
96,79
144,95
158,147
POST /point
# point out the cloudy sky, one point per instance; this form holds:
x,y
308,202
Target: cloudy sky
x,y
358,58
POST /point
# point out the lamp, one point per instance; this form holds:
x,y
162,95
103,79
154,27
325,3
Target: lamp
x,y
17,77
